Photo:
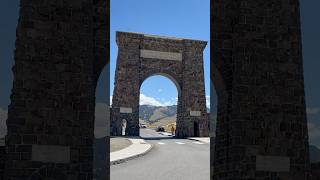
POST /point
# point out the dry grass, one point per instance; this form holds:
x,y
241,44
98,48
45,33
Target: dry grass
x,y
118,143
166,122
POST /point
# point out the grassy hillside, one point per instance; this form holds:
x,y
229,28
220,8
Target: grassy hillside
x,y
152,114
164,122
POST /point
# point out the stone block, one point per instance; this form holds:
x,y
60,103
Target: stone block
x,y
51,153
272,163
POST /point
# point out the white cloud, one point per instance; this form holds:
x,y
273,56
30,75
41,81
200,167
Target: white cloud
x,y
208,101
145,100
313,110
170,103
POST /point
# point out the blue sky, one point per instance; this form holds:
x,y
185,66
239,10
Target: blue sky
x,y
178,18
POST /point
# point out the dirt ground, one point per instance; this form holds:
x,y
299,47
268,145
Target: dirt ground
x,y
118,143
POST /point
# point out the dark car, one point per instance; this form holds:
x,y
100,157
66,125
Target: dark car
x,y
160,129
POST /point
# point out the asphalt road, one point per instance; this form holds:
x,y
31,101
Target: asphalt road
x,y
170,159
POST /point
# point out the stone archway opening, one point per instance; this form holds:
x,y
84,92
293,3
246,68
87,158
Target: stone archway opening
x,y
158,104
124,127
101,124
196,129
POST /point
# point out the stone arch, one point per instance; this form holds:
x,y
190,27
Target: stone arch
x,y
219,84
101,124
173,80
164,74
181,60
221,94
99,66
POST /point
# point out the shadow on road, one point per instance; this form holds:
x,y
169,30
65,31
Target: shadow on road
x,y
157,138
151,134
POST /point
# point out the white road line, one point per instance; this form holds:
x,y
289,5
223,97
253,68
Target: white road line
x,y
197,142
180,143
161,143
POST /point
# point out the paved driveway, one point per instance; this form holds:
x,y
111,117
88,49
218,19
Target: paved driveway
x,y
170,159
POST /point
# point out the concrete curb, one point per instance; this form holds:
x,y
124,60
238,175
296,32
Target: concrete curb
x,y
122,160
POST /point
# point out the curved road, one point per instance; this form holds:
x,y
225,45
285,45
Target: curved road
x,y
170,159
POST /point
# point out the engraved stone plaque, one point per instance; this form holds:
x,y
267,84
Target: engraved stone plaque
x,y
125,110
195,113
160,55
273,163
51,153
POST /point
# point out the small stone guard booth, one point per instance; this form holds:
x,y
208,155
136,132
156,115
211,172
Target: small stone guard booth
x,y
181,60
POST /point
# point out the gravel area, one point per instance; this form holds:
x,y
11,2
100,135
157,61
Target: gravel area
x,y
118,143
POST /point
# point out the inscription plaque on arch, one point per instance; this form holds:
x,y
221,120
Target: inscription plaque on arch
x,y
160,55
125,110
195,113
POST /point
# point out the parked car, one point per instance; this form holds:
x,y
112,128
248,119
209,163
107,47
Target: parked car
x,y
160,129
143,126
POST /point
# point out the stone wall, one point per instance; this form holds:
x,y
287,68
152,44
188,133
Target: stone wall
x,y
315,171
101,54
258,75
141,56
2,160
51,115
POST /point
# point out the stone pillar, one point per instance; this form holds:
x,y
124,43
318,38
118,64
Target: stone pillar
x,y
194,119
261,125
2,159
51,115
125,100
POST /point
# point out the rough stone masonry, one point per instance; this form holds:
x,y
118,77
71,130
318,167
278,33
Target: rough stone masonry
x,y
60,52
258,75
181,60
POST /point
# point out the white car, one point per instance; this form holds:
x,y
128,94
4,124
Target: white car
x,y
143,126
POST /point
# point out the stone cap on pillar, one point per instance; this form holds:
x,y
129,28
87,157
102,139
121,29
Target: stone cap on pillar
x,y
141,38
